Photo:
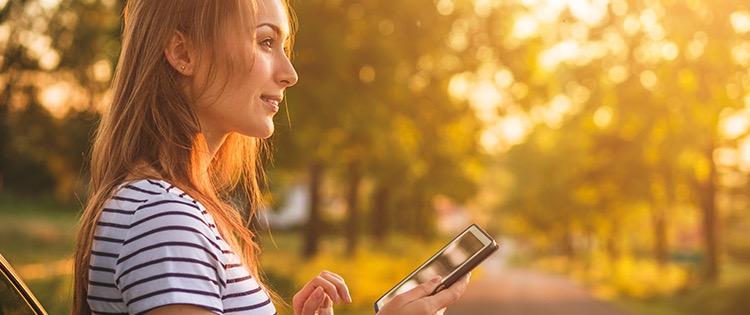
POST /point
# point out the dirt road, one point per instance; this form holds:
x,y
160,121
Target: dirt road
x,y
503,291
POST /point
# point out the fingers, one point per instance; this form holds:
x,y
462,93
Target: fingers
x,y
315,300
327,307
417,292
330,283
341,288
449,295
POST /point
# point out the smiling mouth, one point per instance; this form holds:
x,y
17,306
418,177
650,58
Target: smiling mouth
x,y
271,102
271,99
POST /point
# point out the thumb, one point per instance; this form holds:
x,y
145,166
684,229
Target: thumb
x,y
449,295
420,291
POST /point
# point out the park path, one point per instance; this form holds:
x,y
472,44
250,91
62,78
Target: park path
x,y
508,291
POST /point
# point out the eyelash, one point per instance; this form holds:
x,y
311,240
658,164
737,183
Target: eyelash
x,y
270,40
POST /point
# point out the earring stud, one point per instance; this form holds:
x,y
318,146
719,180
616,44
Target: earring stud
x,y
182,67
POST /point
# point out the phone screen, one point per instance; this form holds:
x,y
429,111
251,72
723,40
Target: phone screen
x,y
446,262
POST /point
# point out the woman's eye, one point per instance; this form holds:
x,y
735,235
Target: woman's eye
x,y
268,42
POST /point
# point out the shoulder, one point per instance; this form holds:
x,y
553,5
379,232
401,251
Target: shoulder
x,y
148,196
156,206
170,253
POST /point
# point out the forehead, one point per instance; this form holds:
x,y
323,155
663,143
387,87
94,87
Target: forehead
x,y
273,12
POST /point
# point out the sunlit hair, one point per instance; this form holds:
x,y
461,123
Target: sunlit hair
x,y
151,129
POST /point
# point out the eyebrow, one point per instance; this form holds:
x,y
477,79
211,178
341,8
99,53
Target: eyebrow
x,y
274,27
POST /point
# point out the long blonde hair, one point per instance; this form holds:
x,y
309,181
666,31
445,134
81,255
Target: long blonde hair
x,y
151,129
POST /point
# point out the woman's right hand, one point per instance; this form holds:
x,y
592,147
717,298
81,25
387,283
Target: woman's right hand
x,y
417,301
319,294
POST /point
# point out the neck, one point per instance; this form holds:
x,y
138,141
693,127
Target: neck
x,y
207,152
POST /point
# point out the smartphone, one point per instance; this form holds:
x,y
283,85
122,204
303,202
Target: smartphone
x,y
467,250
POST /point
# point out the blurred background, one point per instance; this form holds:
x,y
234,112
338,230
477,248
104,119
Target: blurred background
x,y
605,143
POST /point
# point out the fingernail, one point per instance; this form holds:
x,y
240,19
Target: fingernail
x,y
437,279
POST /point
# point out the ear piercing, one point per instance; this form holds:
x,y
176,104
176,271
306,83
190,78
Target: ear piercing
x,y
182,67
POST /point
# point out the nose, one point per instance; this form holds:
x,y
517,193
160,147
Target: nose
x,y
287,75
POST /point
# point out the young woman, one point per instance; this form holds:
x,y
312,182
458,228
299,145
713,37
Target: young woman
x,y
196,88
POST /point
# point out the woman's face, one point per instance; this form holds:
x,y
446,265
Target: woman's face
x,y
254,88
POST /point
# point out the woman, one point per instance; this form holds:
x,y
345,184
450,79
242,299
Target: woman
x,y
196,88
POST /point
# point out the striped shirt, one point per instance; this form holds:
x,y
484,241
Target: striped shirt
x,y
154,246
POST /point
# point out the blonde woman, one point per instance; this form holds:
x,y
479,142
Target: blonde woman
x,y
197,86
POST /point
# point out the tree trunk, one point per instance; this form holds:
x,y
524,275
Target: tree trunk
x,y
352,229
313,228
660,234
708,206
4,125
660,205
379,213
613,244
567,245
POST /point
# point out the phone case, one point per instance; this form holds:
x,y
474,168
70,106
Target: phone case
x,y
470,265
463,270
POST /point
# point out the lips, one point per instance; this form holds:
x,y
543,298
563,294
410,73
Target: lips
x,y
271,101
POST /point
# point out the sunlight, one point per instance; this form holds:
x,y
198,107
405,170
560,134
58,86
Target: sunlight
x,y
49,4
445,7
102,70
740,21
4,32
735,125
744,154
505,133
546,11
603,117
631,25
650,21
591,12
40,48
485,98
619,7
726,157
513,129
503,78
367,74
54,97
696,46
618,74
741,53
490,141
669,51
483,8
458,87
525,27
649,79
558,108
559,53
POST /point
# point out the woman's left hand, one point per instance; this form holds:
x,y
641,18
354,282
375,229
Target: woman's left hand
x,y
319,294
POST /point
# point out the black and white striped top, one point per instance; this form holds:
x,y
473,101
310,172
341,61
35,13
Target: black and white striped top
x,y
155,246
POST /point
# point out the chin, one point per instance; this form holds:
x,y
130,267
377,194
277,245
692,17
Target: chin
x,y
267,134
263,132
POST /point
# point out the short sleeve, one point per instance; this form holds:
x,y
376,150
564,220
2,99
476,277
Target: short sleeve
x,y
170,256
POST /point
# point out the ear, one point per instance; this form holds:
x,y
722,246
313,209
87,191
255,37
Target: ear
x,y
180,54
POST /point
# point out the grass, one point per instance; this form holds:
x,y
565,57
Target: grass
x,y
40,232
728,296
